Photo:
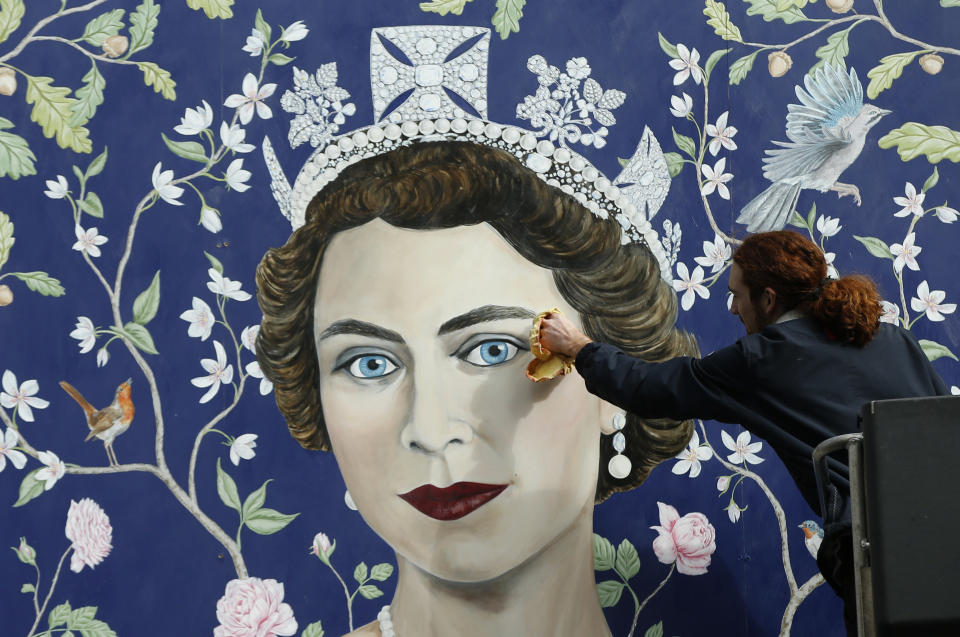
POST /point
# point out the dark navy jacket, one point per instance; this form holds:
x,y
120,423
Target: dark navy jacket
x,y
790,384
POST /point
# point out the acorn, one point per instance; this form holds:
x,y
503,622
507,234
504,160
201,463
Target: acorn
x,y
115,46
840,6
6,295
8,81
778,63
931,63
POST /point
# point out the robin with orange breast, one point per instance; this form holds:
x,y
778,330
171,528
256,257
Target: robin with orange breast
x,y
109,422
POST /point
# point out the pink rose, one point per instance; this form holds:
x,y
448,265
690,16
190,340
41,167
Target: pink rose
x,y
253,607
688,540
88,527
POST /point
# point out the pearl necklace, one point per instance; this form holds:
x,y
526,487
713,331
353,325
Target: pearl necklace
x,y
386,622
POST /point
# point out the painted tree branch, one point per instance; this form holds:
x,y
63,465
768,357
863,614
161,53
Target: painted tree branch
x,y
27,39
786,624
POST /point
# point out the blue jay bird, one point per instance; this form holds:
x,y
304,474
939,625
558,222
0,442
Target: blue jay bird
x,y
812,536
827,131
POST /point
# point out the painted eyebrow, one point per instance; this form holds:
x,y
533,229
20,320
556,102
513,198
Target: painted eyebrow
x,y
360,328
485,314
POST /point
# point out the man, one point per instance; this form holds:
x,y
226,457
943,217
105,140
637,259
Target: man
x,y
815,352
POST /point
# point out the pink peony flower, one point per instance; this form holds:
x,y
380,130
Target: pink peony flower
x,y
689,540
88,527
253,607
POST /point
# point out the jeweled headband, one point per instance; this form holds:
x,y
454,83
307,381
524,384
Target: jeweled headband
x,y
429,83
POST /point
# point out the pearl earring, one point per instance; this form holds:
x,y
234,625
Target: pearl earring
x,y
619,466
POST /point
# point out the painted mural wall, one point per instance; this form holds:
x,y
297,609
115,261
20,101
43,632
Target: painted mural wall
x,y
149,155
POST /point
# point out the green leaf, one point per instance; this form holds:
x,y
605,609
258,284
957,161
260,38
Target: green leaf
x,y
89,97
214,262
92,205
369,591
27,588
740,68
96,628
655,631
950,3
6,238
16,158
280,59
931,180
506,20
628,562
267,521
103,26
188,150
889,69
935,350
914,139
59,615
262,26
79,174
797,220
609,593
381,572
674,163
443,7
812,216
97,165
769,11
30,488
603,553
81,617
51,109
213,8
143,21
255,500
712,61
313,630
159,79
41,282
11,12
227,489
834,52
140,337
146,304
719,19
360,572
666,46
875,246
684,143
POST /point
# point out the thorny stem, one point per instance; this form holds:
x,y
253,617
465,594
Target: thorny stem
x,y
53,585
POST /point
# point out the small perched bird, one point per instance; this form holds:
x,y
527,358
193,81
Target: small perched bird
x,y
109,422
813,536
827,131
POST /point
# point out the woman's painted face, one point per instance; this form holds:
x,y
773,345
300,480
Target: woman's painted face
x,y
460,463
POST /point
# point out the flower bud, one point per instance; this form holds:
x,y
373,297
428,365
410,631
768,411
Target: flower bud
x,y
6,295
931,63
26,553
323,548
840,6
115,45
8,81
103,357
210,219
778,63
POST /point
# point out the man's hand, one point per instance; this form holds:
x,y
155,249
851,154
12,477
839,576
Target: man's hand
x,y
560,336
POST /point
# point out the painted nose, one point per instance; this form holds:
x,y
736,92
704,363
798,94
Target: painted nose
x,y
432,426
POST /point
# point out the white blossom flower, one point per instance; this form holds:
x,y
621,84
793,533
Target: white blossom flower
x,y
733,512
686,65
681,107
946,215
103,357
166,190
233,136
954,390
248,337
21,397
86,333
690,458
210,219
219,284
715,254
912,203
722,483
690,284
195,120
52,472
88,241
828,226
828,257
253,368
251,99
200,318
242,447
57,189
891,312
236,176
906,254
716,179
294,32
7,443
743,449
218,371
931,302
255,43
721,135
578,68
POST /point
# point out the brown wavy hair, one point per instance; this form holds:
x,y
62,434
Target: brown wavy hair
x,y
616,289
794,267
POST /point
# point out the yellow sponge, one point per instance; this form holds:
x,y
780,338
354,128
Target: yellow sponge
x,y
545,365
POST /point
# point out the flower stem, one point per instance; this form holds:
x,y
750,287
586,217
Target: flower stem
x,y
636,615
53,585
346,592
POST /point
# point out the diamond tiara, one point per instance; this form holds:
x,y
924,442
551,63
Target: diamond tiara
x,y
429,84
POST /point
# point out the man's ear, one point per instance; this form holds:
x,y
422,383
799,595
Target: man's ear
x,y
768,301
607,414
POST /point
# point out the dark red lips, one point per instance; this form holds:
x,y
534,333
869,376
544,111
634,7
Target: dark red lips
x,y
453,502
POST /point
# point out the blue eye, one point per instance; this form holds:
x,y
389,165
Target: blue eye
x,y
371,366
493,352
